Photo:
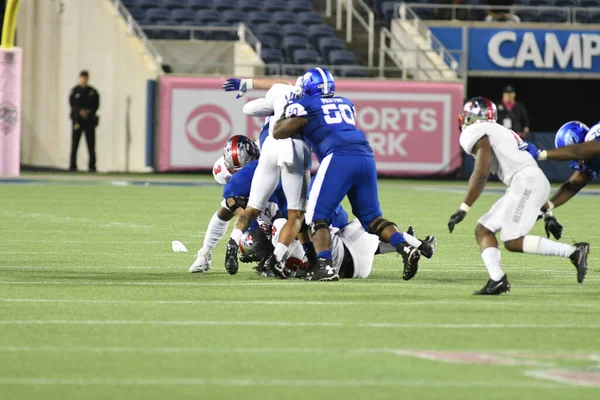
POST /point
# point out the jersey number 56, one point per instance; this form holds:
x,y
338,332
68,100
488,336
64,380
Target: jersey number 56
x,y
335,113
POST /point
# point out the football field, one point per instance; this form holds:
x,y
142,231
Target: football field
x,y
95,305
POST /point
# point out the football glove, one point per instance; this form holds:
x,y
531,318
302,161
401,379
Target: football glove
x,y
241,85
532,149
456,218
552,226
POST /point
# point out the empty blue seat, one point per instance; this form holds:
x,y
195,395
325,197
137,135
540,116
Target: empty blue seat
x,y
268,42
181,15
552,16
201,4
309,18
149,4
247,6
306,57
284,17
528,15
356,71
129,3
541,2
232,16
299,5
295,30
342,57
259,17
271,56
225,5
271,30
589,3
316,32
138,14
173,5
328,44
156,14
222,34
205,16
292,43
274,5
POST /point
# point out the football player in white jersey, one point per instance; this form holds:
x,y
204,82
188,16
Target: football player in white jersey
x,y
497,150
288,160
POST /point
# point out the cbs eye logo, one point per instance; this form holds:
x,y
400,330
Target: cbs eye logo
x,y
208,127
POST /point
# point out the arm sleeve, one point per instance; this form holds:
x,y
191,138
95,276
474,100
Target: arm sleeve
x,y
259,108
469,137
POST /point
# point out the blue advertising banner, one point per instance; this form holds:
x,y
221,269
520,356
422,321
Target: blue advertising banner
x,y
526,50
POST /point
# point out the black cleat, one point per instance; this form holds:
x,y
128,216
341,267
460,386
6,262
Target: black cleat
x,y
427,247
579,260
324,272
411,231
410,257
231,257
494,288
278,268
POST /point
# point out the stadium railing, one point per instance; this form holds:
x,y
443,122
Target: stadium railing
x,y
571,14
357,12
135,29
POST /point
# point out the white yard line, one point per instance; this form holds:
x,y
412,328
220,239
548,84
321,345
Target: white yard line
x,y
278,383
295,324
72,267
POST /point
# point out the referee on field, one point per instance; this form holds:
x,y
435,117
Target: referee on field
x,y
84,101
512,114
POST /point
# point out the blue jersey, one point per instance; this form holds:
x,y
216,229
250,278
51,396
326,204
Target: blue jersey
x,y
264,132
331,126
240,182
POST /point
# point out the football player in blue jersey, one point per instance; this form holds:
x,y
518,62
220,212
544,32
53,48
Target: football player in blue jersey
x,y
579,145
347,167
236,171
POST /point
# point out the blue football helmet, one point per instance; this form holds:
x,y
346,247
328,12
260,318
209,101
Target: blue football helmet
x,y
318,82
572,132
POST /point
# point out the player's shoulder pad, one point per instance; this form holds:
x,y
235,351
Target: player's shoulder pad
x,y
295,109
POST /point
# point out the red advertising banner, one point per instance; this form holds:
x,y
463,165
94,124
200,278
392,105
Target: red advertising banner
x,y
412,126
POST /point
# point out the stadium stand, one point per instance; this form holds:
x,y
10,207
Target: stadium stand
x,y
290,32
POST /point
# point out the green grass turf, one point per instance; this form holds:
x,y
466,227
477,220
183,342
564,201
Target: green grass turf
x,y
95,305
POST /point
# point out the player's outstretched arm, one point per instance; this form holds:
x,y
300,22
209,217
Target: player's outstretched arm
x,y
288,127
570,188
582,151
244,85
483,162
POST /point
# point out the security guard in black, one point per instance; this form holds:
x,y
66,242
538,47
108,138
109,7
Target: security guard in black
x,y
84,101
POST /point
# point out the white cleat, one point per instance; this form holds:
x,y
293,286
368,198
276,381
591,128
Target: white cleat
x,y
202,263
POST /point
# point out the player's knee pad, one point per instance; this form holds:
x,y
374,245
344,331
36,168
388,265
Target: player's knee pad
x,y
378,226
318,224
238,202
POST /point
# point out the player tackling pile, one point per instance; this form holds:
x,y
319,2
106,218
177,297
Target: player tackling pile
x,y
499,150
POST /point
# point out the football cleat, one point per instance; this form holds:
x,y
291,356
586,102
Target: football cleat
x,y
494,288
410,257
411,231
261,271
231,257
323,272
202,263
278,268
579,260
427,247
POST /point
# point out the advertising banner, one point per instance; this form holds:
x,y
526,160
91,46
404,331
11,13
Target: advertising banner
x,y
411,126
541,51
10,111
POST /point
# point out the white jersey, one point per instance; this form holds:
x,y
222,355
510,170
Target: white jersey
x,y
507,158
220,171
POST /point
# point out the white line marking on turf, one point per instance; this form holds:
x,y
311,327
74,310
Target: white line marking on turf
x,y
278,382
265,302
286,324
72,267
547,375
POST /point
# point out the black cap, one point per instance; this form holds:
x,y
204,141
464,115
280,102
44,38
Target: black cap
x,y
84,73
509,89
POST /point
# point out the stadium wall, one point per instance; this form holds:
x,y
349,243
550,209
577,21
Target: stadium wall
x,y
59,39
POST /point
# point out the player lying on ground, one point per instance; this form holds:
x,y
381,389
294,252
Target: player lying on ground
x,y
352,250
347,167
580,145
236,175
286,161
497,150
